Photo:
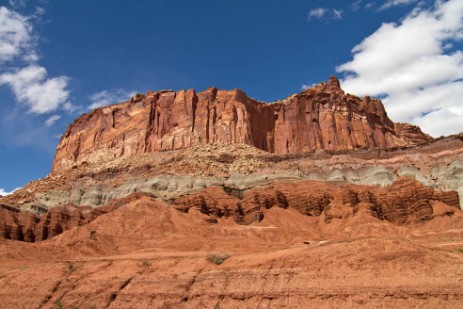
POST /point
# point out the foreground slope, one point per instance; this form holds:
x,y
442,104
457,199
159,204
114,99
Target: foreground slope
x,y
146,254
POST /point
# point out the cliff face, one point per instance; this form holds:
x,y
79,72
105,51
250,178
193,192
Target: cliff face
x,y
322,117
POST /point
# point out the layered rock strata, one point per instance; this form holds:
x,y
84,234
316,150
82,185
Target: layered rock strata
x,y
406,201
322,117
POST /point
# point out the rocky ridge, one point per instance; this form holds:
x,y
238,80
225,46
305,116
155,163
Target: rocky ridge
x,y
321,117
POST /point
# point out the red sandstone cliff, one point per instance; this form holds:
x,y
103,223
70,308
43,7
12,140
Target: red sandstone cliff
x,y
322,117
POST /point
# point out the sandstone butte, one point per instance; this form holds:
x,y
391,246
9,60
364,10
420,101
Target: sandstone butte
x,y
216,200
321,117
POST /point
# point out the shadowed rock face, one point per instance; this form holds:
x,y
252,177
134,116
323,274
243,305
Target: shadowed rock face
x,y
31,227
322,117
404,201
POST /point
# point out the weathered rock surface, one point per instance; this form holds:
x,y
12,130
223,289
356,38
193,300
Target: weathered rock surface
x,y
173,174
30,227
322,117
146,254
405,201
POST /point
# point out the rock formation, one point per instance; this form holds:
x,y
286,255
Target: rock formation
x,y
30,227
322,117
403,202
319,200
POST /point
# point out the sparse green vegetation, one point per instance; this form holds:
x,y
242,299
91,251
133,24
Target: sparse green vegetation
x,y
460,249
217,258
58,304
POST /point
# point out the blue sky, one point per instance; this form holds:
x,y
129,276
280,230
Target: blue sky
x,y
58,59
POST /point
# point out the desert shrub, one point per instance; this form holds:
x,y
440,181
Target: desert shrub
x,y
460,249
58,304
146,263
71,268
226,158
217,258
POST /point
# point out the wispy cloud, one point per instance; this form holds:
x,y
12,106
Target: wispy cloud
x,y
355,6
369,5
337,14
317,13
307,86
411,66
321,13
51,120
392,3
107,97
17,4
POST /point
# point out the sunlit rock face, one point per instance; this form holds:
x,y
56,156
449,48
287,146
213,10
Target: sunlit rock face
x,y
321,117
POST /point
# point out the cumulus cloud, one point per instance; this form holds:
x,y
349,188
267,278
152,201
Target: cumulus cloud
x,y
107,97
28,81
32,88
392,3
413,66
324,14
16,37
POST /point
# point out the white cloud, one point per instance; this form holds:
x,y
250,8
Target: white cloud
x,y
16,37
3,192
17,3
355,5
28,81
411,66
317,13
369,5
51,120
324,13
442,121
307,86
392,3
108,97
337,14
31,87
